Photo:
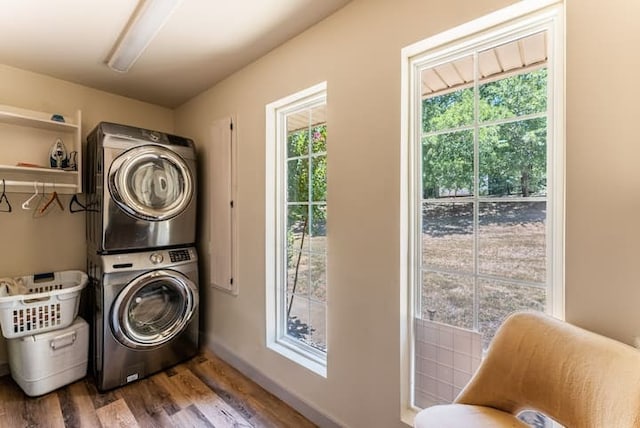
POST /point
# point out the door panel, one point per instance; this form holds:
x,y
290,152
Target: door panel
x,y
153,308
151,183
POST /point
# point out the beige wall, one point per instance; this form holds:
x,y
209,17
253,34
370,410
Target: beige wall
x,y
603,170
57,241
357,51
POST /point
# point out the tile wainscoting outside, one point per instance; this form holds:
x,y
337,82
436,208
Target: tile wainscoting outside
x,y
445,359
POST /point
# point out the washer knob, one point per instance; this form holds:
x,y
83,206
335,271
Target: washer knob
x,y
156,258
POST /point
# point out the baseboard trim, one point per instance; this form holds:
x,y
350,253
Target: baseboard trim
x,y
307,410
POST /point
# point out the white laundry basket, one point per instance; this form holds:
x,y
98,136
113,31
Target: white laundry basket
x,y
51,303
43,362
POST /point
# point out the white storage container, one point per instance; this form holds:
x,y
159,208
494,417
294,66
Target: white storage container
x,y
51,303
47,361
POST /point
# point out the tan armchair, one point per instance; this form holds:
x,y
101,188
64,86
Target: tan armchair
x,y
578,378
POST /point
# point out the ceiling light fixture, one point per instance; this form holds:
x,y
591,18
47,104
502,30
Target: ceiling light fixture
x,y
143,26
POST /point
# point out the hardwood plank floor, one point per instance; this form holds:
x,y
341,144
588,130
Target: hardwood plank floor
x,y
202,392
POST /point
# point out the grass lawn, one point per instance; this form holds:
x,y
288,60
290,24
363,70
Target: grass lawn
x,y
511,249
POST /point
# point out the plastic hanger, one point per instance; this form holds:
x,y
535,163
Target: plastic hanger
x,y
75,202
3,198
25,204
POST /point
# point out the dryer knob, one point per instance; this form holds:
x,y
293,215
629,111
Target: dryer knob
x,y
156,258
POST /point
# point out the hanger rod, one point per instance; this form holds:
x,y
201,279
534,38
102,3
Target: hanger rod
x,y
24,186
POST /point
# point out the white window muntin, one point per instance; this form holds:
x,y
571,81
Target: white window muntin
x,y
276,226
472,48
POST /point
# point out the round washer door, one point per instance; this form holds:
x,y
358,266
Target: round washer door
x,y
153,309
151,183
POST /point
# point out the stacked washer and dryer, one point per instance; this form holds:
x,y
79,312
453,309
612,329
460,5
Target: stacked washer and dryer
x,y
142,261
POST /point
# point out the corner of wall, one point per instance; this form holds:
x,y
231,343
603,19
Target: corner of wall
x,y
308,411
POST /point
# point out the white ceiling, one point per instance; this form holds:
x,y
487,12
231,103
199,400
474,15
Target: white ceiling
x,y
203,42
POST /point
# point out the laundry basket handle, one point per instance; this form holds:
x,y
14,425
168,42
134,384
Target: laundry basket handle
x,y
63,340
43,277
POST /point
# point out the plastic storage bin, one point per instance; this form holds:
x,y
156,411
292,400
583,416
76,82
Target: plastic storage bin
x,y
47,361
51,303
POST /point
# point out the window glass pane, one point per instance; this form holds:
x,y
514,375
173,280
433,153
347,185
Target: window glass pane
x,y
296,227
448,93
298,180
498,299
447,165
448,299
319,178
513,96
512,240
513,159
298,317
317,334
319,137
318,256
448,111
447,236
318,237
318,118
505,90
298,275
318,277
298,134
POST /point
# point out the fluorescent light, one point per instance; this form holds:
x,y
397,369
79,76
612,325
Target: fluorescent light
x,y
148,19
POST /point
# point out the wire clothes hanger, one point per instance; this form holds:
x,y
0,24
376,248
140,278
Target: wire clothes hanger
x,y
6,207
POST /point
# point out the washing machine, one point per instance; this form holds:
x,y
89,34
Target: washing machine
x,y
141,189
145,315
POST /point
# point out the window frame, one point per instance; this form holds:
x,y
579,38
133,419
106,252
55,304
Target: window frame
x,y
519,18
275,228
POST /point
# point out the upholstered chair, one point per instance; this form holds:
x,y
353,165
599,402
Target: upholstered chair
x,y
578,378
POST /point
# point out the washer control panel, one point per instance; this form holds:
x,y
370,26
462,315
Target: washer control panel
x,y
146,260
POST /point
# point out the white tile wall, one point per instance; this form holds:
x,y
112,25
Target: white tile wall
x,y
445,359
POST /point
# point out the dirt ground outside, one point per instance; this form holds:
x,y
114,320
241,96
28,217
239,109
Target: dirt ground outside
x,y
511,262
307,318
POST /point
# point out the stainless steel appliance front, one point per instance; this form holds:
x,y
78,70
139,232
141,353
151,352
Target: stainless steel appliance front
x,y
141,189
146,313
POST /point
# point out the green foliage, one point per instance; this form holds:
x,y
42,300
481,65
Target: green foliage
x,y
306,150
512,155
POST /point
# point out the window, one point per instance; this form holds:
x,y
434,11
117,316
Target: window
x,y
482,210
296,242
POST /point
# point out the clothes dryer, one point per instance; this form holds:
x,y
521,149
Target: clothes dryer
x,y
141,189
145,313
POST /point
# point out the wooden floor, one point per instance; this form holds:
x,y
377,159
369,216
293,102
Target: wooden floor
x,y
202,392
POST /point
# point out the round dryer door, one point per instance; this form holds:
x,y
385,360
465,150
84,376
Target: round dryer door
x,y
153,309
151,183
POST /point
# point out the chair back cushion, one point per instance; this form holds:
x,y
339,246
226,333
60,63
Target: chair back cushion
x,y
577,377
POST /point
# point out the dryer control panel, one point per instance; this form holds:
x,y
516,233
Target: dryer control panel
x,y
179,255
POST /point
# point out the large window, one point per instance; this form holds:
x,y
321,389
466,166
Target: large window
x,y
483,201
297,227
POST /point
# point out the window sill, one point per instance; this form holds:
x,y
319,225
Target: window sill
x,y
310,363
